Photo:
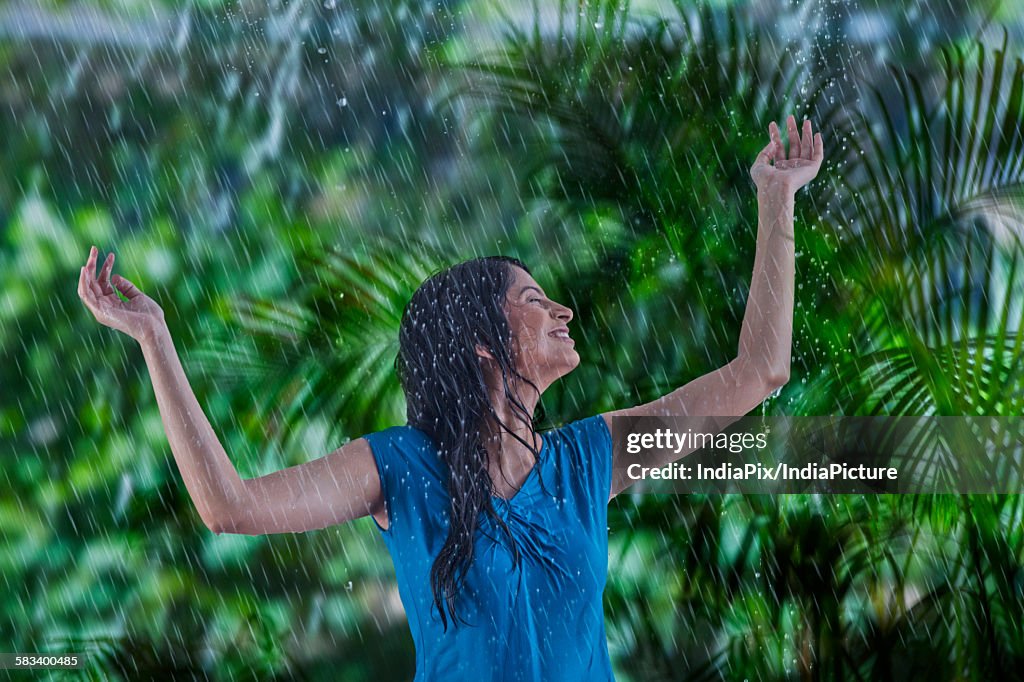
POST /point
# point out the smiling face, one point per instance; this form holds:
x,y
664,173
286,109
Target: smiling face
x,y
541,346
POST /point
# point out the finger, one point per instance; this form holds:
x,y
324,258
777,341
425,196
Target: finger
x,y
84,289
104,280
86,293
126,287
819,148
794,137
806,141
92,284
780,152
765,154
81,283
97,292
89,270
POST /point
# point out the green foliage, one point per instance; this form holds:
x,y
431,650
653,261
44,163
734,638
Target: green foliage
x,y
329,349
914,306
638,133
612,156
932,245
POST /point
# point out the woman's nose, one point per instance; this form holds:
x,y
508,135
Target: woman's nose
x,y
562,312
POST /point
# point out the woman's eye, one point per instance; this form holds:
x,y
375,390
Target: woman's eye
x,y
534,299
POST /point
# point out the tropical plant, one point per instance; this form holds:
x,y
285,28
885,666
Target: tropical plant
x,y
637,133
910,263
329,348
910,312
929,234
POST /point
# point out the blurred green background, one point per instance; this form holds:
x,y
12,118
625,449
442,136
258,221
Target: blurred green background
x,y
280,177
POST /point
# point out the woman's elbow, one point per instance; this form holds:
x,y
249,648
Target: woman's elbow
x,y
769,378
219,524
762,377
758,387
778,378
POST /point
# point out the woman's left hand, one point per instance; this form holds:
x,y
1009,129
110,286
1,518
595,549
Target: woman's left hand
x,y
790,173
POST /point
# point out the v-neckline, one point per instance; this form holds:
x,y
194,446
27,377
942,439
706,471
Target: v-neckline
x,y
530,475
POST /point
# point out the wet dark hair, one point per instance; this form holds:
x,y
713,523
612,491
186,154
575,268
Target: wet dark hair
x,y
442,376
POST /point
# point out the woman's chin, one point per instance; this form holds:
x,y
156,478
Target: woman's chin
x,y
574,360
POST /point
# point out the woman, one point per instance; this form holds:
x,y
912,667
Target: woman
x,y
498,533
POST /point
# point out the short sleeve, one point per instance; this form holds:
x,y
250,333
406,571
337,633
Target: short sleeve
x,y
590,452
410,477
382,447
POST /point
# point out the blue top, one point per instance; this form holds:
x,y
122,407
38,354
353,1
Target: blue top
x,y
541,621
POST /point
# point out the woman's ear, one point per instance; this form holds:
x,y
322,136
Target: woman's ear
x,y
484,352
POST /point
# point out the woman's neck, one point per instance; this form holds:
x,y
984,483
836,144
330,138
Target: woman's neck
x,y
513,419
510,461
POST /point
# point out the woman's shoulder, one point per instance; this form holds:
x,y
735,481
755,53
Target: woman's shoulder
x,y
399,431
587,433
401,437
404,450
411,475
583,452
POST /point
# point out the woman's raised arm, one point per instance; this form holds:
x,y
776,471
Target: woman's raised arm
x,y
333,489
764,355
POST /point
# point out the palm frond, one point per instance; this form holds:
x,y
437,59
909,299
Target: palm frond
x,y
948,336
617,109
327,353
931,243
930,164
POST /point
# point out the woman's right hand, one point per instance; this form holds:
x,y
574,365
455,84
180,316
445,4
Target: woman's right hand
x,y
138,317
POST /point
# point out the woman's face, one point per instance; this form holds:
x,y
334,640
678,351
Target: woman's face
x,y
541,345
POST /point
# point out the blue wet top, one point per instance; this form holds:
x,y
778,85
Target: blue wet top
x,y
540,621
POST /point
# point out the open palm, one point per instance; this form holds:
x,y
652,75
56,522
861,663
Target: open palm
x,y
135,315
792,172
